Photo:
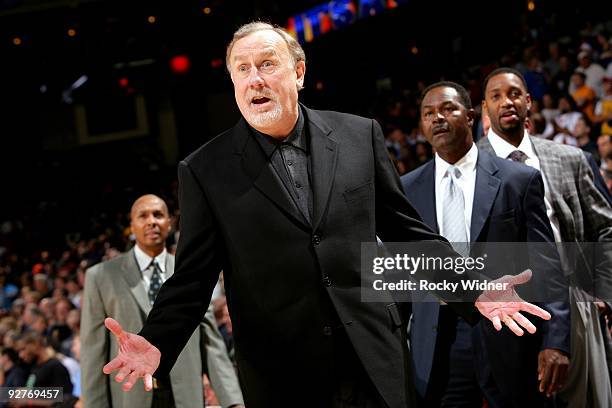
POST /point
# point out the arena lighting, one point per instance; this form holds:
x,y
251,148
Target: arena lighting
x,y
180,64
216,63
335,15
67,94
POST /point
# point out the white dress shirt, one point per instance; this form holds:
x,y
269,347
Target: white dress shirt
x,y
467,184
503,149
144,263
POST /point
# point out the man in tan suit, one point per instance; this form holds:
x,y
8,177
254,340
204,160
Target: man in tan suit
x,y
125,288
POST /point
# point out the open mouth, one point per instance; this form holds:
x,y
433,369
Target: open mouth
x,y
259,100
510,115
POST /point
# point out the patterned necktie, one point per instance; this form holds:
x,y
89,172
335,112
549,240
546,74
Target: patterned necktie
x,y
453,213
156,281
517,156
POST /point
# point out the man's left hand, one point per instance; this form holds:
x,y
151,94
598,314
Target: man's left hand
x,y
506,305
553,366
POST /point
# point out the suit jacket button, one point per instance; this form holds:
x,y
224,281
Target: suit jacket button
x,y
316,239
327,282
327,330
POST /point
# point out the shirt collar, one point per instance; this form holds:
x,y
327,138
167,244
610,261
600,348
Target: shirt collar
x,y
466,164
503,148
144,260
296,138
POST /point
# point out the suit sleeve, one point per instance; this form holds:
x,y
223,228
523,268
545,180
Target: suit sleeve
x,y
556,331
184,298
220,369
597,214
398,221
96,344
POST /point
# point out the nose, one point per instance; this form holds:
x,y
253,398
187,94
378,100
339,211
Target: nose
x,y
438,117
507,101
255,80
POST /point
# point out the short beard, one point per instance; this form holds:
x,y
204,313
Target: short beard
x,y
263,119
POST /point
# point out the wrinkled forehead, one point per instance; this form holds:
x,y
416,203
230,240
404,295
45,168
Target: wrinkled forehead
x,y
260,44
244,54
440,95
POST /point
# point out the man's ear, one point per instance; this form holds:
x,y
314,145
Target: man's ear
x,y
471,114
300,71
528,98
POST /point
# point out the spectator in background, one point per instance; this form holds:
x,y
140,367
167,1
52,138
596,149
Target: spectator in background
x,y
565,123
583,95
582,133
45,371
561,80
13,373
552,65
536,79
603,108
593,72
604,147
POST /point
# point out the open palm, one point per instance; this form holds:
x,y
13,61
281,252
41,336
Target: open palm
x,y
137,358
506,305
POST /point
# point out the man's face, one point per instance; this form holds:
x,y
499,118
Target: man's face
x,y
150,223
446,122
507,103
266,82
581,128
604,146
28,352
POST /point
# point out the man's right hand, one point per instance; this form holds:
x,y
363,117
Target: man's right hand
x,y
137,358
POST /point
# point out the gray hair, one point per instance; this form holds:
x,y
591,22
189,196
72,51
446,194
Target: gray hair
x,y
295,49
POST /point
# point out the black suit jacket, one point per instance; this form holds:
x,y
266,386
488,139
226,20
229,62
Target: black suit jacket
x,y
508,206
290,285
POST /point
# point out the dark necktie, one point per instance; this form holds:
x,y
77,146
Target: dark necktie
x,y
156,281
517,156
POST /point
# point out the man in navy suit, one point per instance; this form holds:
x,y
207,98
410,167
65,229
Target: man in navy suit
x,y
499,201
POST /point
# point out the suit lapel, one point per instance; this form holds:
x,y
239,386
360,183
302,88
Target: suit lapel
x,y
133,277
548,162
262,172
423,195
485,191
324,150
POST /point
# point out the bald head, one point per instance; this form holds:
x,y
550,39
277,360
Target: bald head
x,y
150,224
146,199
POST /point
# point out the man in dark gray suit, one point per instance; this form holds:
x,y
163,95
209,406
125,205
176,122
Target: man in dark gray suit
x,y
125,288
282,202
578,213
